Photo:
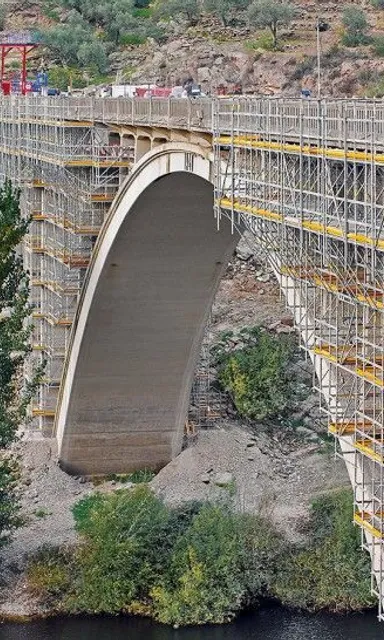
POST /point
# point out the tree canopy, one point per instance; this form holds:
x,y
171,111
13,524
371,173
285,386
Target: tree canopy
x,y
270,14
14,347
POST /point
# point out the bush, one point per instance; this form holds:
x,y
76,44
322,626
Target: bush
x,y
189,565
205,582
331,572
256,374
130,39
356,26
9,505
188,9
61,77
124,550
49,575
224,9
200,563
264,41
303,68
378,46
378,4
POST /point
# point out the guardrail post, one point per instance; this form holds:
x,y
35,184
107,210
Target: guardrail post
x,y
169,112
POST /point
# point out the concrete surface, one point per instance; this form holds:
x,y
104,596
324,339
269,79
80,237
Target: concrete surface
x,y
134,371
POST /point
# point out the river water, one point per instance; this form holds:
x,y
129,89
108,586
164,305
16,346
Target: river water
x,y
272,623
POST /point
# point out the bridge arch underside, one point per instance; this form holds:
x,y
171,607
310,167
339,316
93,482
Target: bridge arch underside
x,y
131,382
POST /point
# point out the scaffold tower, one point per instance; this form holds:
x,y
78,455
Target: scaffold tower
x,y
69,173
308,180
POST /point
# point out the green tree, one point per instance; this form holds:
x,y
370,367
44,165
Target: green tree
x,y
356,26
14,347
224,9
190,9
270,14
92,54
74,43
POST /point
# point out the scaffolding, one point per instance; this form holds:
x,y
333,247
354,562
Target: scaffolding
x,y
312,192
206,400
69,174
306,177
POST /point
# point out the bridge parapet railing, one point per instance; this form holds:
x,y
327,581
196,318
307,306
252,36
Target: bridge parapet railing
x,y
325,122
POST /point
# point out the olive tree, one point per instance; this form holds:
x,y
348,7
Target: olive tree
x,y
73,43
189,9
355,26
224,9
270,14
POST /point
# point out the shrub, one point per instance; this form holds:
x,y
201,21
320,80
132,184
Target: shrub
x,y
378,4
356,26
303,68
378,46
49,575
188,9
256,374
61,77
129,39
204,582
264,41
124,550
224,9
331,572
200,563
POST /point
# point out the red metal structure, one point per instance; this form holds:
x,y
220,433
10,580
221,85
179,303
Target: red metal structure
x,y
22,41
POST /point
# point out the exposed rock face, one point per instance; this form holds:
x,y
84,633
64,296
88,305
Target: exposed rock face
x,y
216,56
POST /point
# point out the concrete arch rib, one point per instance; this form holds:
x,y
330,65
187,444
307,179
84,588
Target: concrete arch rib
x,y
140,320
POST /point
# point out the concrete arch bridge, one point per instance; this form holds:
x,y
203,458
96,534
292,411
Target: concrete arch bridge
x,y
135,207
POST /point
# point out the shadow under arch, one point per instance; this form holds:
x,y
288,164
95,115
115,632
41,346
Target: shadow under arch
x,y
138,330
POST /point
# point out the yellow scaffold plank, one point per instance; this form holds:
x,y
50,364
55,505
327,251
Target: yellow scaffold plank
x,y
103,164
310,225
349,427
102,197
292,147
362,519
43,413
372,374
38,315
367,448
340,355
329,281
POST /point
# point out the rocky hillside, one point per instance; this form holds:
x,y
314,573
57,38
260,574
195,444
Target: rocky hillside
x,y
215,55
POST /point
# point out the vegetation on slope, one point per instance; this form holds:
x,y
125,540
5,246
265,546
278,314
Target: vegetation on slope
x,y
331,571
199,563
14,349
256,372
90,40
